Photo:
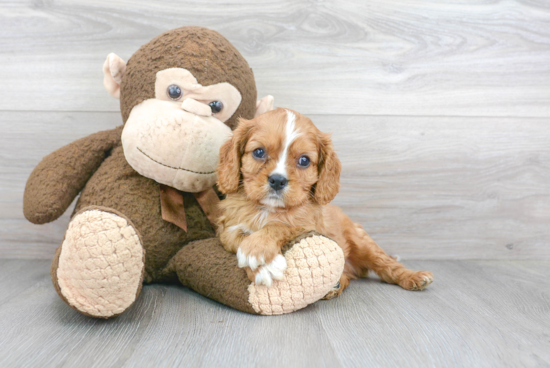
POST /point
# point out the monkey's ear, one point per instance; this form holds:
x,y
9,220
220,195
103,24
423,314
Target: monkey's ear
x,y
113,70
264,105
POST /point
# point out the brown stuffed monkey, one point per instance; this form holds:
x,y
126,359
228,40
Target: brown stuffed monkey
x,y
147,201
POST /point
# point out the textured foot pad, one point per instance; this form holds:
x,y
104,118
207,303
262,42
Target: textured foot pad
x,y
100,264
315,265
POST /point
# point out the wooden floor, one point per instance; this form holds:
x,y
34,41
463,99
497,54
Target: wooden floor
x,y
476,314
440,113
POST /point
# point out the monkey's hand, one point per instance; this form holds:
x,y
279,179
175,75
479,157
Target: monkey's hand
x,y
61,175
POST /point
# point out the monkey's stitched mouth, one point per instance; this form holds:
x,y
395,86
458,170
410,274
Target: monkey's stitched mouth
x,y
175,168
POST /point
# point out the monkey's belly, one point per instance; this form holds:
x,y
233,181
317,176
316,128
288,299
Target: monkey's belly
x,y
117,186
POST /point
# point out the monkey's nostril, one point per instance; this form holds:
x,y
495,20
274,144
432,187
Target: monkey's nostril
x,y
195,107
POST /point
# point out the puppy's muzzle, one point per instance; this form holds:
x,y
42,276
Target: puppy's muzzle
x,y
277,182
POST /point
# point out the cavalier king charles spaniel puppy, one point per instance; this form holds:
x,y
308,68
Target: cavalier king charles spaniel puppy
x,y
279,173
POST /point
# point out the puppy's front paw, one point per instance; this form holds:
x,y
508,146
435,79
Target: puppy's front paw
x,y
254,254
271,271
265,274
418,280
264,263
251,261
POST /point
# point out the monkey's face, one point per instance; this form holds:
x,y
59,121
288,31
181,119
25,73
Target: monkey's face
x,y
180,95
175,137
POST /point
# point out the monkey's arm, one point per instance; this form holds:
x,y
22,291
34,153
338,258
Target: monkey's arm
x,y
61,175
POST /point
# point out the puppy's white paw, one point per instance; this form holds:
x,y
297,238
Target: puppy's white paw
x,y
263,277
271,271
277,267
246,260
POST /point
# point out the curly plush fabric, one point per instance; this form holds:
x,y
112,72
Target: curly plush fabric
x,y
100,267
204,52
314,265
61,175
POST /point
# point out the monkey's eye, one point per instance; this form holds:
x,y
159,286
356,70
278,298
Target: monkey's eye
x,y
174,92
303,161
216,106
258,153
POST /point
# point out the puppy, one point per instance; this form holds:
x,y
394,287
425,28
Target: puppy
x,y
279,172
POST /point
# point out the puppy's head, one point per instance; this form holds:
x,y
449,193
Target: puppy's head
x,y
281,159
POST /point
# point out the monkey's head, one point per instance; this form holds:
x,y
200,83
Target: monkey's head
x,y
180,97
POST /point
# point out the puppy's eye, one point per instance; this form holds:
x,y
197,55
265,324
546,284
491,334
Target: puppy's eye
x,y
303,161
258,153
216,106
174,92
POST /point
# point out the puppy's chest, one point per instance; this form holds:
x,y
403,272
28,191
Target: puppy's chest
x,y
249,222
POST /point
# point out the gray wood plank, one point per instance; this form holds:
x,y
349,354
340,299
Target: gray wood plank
x,y
447,188
201,333
48,333
378,57
19,275
477,313
423,187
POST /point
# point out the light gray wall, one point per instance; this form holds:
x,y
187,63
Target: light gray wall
x,y
439,109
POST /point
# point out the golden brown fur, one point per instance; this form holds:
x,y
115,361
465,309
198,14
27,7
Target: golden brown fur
x,y
257,220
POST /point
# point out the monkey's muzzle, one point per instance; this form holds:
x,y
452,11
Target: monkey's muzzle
x,y
172,146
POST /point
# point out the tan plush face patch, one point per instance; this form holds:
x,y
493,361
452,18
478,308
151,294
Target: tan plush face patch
x,y
174,147
175,137
169,81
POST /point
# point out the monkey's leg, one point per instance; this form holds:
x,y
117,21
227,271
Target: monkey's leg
x,y
98,269
314,265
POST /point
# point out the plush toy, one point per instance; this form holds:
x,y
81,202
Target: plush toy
x,y
147,200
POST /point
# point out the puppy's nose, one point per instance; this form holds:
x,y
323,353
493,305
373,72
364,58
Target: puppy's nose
x,y
277,182
196,107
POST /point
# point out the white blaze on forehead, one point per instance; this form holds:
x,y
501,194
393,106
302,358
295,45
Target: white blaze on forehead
x,y
291,133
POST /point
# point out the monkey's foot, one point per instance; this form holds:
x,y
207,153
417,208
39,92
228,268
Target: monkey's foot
x,y
314,265
98,269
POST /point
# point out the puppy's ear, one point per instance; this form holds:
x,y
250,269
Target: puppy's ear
x,y
229,168
330,167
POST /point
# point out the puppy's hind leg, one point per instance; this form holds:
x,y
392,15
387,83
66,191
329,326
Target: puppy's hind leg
x,y
365,254
338,288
